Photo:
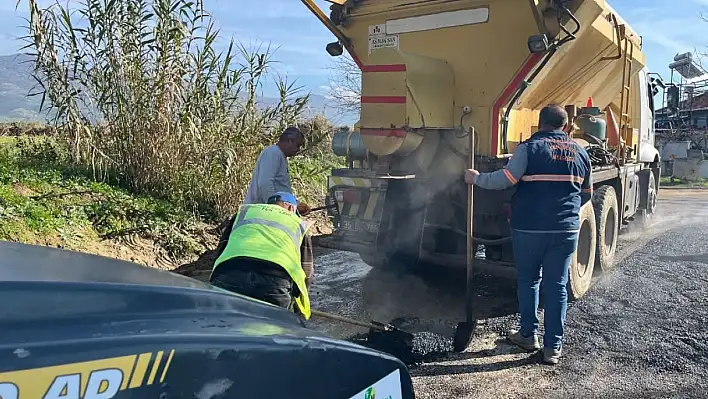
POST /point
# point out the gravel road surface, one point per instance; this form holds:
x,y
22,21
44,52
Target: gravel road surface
x,y
639,333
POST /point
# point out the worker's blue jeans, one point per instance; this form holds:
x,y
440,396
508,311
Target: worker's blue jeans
x,y
553,252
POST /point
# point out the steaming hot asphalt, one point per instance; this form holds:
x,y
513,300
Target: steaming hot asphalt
x,y
640,332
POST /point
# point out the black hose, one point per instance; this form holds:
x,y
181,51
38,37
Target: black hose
x,y
600,156
522,89
577,22
570,36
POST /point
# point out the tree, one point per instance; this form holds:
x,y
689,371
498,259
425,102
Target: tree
x,y
345,85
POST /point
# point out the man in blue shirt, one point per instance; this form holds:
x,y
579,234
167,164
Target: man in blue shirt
x,y
554,179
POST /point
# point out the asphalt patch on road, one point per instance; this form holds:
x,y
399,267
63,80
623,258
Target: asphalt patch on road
x,y
427,347
433,338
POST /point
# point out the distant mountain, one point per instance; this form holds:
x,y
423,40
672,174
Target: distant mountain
x,y
318,105
16,82
321,105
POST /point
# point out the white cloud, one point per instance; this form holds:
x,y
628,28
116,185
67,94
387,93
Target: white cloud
x,y
277,44
675,34
667,27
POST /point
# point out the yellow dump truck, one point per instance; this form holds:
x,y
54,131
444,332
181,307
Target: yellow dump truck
x,y
442,77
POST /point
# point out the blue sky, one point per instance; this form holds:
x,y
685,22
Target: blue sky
x,y
668,27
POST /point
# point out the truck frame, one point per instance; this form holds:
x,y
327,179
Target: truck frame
x,y
442,80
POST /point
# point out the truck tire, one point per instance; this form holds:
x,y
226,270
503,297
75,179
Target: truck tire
x,y
647,211
604,202
583,263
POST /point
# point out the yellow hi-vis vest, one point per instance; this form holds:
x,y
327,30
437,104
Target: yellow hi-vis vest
x,y
274,234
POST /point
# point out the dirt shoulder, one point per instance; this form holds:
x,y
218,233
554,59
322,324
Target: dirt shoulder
x,y
682,191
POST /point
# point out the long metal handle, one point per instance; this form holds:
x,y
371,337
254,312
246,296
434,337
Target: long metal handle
x,y
346,320
469,308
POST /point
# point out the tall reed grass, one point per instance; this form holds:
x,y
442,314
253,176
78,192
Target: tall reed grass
x,y
145,92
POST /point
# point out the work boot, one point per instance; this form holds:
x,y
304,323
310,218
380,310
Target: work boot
x,y
528,343
551,356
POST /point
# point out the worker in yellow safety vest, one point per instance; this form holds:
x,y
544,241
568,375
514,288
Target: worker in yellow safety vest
x,y
268,255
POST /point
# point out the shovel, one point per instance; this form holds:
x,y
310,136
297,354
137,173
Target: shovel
x,y
373,326
382,336
465,330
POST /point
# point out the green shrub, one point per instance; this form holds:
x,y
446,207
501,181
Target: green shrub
x,y
41,198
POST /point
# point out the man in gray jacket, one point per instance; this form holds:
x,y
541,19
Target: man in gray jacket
x,y
271,174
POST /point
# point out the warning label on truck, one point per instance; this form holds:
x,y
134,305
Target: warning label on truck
x,y
382,41
375,30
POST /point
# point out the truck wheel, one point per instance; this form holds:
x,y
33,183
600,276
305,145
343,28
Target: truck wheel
x,y
604,202
583,263
645,214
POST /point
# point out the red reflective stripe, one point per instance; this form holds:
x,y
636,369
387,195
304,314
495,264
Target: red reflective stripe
x,y
509,176
558,178
383,99
377,68
587,190
506,96
383,132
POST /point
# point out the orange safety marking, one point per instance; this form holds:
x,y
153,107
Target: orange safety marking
x,y
509,176
557,178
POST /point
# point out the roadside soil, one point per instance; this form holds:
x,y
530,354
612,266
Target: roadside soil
x,y
145,251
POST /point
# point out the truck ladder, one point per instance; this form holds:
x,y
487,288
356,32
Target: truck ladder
x,y
628,56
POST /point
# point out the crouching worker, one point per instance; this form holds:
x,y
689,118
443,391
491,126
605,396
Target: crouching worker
x,y
267,255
